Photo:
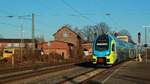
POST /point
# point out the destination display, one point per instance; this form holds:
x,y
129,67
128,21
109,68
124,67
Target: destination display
x,y
102,44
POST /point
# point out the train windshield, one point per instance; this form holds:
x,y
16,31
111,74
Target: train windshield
x,y
102,43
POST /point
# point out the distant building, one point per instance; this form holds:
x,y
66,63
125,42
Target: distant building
x,y
67,43
14,43
87,47
123,38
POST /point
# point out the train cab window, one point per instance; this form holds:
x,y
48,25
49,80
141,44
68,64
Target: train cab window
x,y
102,43
113,47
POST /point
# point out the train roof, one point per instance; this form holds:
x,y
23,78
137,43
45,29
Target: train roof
x,y
121,42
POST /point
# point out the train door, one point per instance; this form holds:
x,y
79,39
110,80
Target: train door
x,y
113,53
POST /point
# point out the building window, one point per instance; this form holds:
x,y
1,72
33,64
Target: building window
x,y
65,34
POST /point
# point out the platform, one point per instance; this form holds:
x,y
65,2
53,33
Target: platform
x,y
132,73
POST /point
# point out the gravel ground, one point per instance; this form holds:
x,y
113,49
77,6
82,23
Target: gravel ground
x,y
55,77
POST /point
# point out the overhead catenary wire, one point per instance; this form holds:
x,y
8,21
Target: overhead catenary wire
x,y
14,17
8,24
77,11
76,14
115,24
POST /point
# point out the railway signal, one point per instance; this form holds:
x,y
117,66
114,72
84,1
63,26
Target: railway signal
x,y
139,37
145,45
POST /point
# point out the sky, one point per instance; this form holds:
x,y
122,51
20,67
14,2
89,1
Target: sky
x,y
50,15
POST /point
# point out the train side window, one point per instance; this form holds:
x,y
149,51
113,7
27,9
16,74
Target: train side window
x,y
113,47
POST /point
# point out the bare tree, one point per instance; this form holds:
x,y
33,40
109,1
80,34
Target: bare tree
x,y
124,32
40,38
103,27
91,31
87,33
78,31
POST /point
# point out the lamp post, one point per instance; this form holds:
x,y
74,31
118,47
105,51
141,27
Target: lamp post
x,y
33,32
145,45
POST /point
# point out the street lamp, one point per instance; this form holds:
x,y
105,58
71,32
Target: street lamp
x,y
146,45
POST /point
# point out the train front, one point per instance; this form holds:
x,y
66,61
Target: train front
x,y
101,49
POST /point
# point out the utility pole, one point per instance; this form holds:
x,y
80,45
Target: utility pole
x,y
33,32
33,39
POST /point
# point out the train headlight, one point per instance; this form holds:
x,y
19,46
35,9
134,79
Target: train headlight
x,y
107,57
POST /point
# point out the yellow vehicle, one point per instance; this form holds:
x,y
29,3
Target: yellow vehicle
x,y
20,54
8,53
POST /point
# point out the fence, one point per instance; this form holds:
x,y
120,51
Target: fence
x,y
28,56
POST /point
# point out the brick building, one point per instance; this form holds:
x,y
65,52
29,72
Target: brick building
x,y
67,42
63,49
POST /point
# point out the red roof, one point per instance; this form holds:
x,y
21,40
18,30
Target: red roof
x,y
65,28
58,45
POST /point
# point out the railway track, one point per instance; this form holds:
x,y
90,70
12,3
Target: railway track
x,y
69,74
81,77
103,76
56,76
15,68
9,68
99,75
16,75
77,76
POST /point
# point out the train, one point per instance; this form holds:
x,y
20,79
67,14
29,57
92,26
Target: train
x,y
109,50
